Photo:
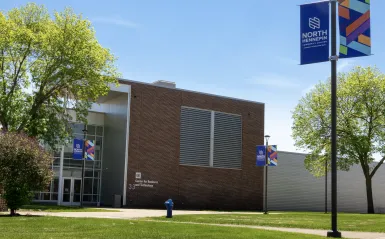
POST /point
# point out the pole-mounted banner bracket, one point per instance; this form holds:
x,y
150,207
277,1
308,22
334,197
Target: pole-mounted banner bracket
x,y
333,58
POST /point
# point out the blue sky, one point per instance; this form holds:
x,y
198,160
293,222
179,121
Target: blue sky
x,y
246,49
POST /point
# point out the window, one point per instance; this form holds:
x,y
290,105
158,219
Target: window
x,y
195,137
227,141
211,139
50,193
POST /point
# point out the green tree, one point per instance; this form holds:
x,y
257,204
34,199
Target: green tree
x,y
45,60
25,166
360,124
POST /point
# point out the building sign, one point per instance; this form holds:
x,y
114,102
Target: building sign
x,y
272,155
89,153
261,155
354,22
145,183
78,149
315,32
142,183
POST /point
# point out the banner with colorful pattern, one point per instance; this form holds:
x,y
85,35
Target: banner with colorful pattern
x,y
89,150
354,22
272,155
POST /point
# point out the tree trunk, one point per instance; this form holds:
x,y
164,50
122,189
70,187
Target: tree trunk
x,y
13,212
369,195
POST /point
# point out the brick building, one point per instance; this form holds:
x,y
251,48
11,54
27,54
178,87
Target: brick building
x,y
154,141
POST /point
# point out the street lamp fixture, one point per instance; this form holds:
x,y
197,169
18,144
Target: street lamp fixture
x,y
267,137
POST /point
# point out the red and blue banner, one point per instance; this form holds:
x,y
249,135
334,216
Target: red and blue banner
x,y
77,149
315,20
354,22
89,153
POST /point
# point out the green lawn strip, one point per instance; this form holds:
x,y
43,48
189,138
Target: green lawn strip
x,y
57,227
56,208
347,222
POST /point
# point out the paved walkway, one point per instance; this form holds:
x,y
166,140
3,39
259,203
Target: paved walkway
x,y
142,213
124,213
345,234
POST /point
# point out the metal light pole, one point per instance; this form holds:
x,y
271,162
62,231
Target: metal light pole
x,y
83,165
334,232
326,186
266,166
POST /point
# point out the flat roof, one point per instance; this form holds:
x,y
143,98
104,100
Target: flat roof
x,y
126,81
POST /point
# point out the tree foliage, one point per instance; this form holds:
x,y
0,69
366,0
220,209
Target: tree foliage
x,y
45,60
25,167
360,123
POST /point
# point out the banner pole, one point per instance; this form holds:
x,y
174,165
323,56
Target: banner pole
x,y
326,186
266,167
83,165
334,232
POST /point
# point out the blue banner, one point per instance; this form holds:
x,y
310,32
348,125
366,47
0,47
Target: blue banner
x,y
78,149
261,155
315,32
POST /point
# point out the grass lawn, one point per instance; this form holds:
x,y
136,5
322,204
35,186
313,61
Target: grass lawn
x,y
56,208
56,227
347,222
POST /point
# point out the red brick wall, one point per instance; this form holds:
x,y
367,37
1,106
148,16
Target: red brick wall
x,y
154,151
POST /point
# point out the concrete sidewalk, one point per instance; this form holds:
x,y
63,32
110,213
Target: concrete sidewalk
x,y
345,234
124,213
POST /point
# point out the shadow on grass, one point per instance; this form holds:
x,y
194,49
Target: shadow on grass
x,y
18,215
36,207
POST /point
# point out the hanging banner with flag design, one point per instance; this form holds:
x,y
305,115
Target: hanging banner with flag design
x,y
354,22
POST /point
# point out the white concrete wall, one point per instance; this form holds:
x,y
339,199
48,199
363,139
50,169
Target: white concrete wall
x,y
292,188
93,118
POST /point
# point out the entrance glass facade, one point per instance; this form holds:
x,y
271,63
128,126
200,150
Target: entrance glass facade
x,y
71,171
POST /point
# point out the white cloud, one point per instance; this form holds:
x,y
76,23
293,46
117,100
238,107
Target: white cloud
x,y
307,90
344,64
115,21
275,80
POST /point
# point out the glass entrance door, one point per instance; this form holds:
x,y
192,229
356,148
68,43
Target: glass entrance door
x,y
71,191
77,185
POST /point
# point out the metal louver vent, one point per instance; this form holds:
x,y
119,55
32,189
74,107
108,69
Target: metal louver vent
x,y
227,141
195,137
